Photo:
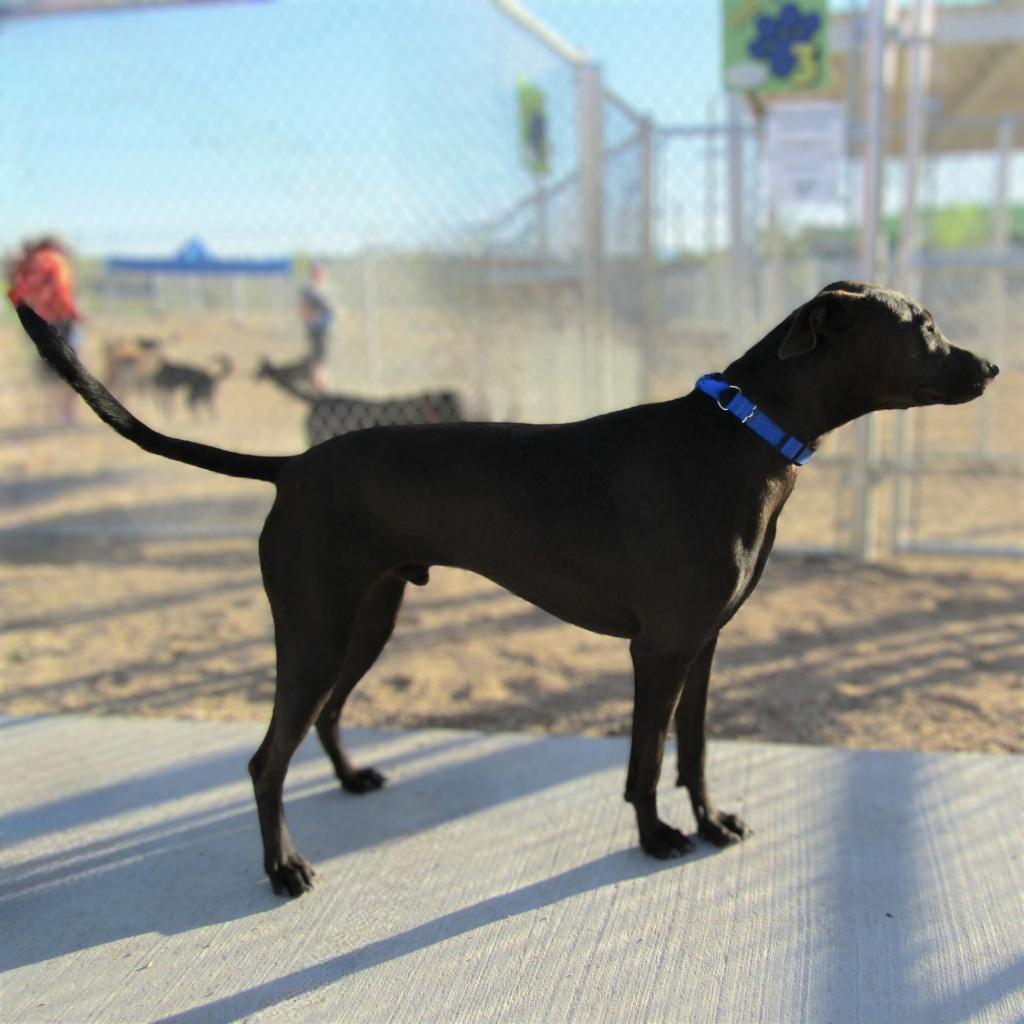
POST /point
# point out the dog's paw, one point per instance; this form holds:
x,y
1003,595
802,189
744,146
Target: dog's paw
x,y
293,875
666,842
723,829
365,780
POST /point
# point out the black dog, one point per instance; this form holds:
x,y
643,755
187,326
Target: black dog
x,y
332,415
304,377
198,385
652,524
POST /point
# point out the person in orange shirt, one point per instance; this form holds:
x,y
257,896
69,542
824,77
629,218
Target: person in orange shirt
x,y
42,278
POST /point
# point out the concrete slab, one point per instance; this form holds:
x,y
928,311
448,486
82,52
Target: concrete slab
x,y
496,879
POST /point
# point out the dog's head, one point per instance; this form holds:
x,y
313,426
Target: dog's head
x,y
887,347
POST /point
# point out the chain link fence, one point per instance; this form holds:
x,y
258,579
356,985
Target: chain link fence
x,y
958,478
469,275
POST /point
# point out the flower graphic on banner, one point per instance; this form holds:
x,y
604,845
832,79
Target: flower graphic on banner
x,y
777,37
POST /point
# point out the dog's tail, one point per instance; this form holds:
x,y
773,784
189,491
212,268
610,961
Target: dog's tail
x,y
62,358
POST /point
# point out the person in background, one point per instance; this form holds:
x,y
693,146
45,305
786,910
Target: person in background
x,y
316,315
42,278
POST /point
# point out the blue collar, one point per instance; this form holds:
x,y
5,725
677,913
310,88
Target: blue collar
x,y
730,399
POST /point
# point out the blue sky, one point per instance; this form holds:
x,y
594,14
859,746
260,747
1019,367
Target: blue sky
x,y
322,125
306,124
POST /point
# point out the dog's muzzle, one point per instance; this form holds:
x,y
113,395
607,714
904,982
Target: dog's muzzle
x,y
964,387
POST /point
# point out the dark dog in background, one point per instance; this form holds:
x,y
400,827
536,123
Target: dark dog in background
x,y
304,378
198,386
652,524
332,415
138,365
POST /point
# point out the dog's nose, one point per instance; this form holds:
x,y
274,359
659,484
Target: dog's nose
x,y
991,370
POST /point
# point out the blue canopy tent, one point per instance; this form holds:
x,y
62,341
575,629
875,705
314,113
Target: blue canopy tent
x,y
194,258
193,262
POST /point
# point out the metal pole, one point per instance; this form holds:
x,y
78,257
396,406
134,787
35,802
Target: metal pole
x,y
864,484
738,263
542,219
711,271
1001,226
755,255
591,138
922,19
874,114
374,372
650,316
776,299
528,21
918,80
999,271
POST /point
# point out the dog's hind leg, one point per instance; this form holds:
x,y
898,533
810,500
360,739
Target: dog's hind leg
x,y
287,869
715,826
371,631
303,682
311,626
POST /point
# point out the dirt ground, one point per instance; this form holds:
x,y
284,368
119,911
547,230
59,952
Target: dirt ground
x,y
925,654
105,609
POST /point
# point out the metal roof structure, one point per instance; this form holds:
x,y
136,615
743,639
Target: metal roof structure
x,y
977,72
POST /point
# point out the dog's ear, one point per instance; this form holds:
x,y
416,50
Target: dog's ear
x,y
827,314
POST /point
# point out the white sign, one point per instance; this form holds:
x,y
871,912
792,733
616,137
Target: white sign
x,y
805,144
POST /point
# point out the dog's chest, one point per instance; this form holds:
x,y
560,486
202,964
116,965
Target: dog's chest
x,y
754,536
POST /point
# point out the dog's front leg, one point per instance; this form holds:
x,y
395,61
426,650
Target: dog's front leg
x,y
657,680
718,827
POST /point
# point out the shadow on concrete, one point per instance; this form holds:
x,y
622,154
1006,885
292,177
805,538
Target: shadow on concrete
x,y
885,894
132,883
619,866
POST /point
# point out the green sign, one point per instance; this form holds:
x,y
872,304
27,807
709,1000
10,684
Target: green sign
x,y
775,45
533,128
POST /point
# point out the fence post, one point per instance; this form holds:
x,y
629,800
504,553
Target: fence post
x,y
998,278
864,482
591,142
650,315
713,271
918,78
371,324
739,263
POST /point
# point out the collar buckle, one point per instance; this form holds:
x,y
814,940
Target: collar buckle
x,y
721,395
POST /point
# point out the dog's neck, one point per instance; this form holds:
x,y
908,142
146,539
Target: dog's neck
x,y
790,391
